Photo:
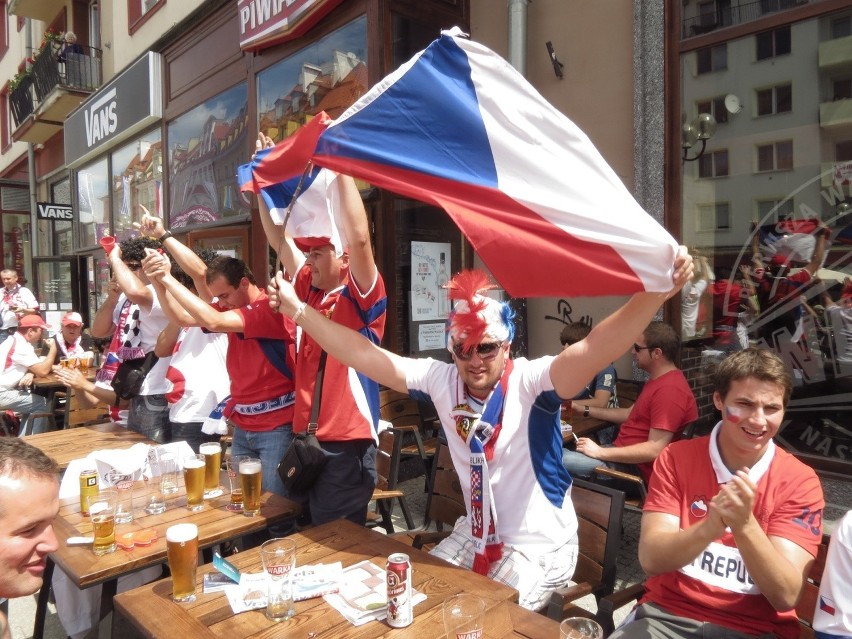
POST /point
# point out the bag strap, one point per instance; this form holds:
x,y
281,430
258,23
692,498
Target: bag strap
x,y
315,407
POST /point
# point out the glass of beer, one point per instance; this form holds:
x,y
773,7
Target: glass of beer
x,y
212,452
250,480
64,362
279,561
102,514
193,478
464,616
84,363
233,467
580,628
182,550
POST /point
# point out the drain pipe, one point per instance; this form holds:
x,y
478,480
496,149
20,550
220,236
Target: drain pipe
x,y
31,167
518,35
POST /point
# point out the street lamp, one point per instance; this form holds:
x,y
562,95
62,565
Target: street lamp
x,y
700,129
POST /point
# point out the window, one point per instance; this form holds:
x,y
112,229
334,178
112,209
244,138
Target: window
x,y
775,157
93,202
707,14
715,107
769,211
138,12
773,43
778,99
137,178
713,164
712,59
714,217
841,89
843,151
841,27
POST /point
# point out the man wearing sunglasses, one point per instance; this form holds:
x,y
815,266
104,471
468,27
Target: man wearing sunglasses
x,y
663,409
501,419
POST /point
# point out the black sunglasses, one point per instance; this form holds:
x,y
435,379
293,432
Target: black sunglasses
x,y
133,266
487,350
638,348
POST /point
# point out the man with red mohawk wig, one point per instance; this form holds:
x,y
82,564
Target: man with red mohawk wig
x,y
501,419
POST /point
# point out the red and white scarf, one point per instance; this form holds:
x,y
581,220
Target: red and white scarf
x,y
74,350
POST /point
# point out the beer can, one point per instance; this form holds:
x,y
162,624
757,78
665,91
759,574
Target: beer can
x,y
88,486
400,608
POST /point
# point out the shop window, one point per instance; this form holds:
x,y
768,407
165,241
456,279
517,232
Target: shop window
x,y
138,12
714,217
773,43
713,164
712,59
841,27
206,145
843,151
841,89
771,211
775,157
715,107
93,202
137,180
777,99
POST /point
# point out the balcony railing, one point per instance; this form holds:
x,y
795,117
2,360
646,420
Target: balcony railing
x,y
79,70
727,15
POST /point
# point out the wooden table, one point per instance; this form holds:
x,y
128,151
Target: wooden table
x,y
215,524
584,427
151,610
64,446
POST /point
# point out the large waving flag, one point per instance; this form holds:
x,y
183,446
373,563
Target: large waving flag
x,y
459,128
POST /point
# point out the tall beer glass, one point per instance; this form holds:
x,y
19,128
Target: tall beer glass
x,y
182,550
102,515
212,452
233,466
193,478
250,479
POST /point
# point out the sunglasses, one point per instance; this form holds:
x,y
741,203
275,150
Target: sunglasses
x,y
133,266
486,351
637,348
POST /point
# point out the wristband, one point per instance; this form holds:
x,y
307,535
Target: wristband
x,y
165,236
585,411
299,312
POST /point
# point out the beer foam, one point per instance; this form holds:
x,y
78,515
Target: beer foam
x,y
210,448
193,463
180,533
249,467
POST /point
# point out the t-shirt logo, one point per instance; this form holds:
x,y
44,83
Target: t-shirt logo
x,y
698,507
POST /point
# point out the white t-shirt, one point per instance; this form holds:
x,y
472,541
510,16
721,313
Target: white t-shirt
x,y
197,377
20,297
17,355
690,298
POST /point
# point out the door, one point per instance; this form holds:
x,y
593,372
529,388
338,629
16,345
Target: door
x,y
57,287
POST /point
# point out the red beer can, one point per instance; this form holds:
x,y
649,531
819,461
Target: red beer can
x,y
400,608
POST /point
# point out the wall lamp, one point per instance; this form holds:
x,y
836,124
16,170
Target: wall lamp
x,y
700,129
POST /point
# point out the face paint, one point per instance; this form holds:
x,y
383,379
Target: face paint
x,y
734,414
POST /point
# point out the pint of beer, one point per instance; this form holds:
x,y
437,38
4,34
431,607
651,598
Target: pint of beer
x,y
212,452
233,467
102,515
193,478
182,550
250,480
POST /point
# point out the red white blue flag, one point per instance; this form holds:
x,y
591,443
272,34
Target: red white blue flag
x,y
459,128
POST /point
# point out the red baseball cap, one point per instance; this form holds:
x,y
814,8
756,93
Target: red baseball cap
x,y
32,321
306,244
72,318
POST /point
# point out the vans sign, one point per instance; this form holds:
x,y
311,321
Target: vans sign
x,y
267,22
124,106
51,211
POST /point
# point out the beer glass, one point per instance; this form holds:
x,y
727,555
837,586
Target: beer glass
x,y
580,628
64,362
233,468
182,550
250,480
212,452
167,465
193,478
279,561
102,515
464,617
85,361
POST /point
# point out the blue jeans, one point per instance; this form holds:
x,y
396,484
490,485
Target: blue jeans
x,y
269,447
149,416
25,402
190,432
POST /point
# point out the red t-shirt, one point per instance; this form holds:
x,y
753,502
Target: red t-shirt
x,y
350,401
716,586
666,403
260,362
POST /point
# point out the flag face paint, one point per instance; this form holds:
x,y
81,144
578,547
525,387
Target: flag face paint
x,y
734,414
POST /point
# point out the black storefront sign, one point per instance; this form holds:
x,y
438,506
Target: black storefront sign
x,y
53,211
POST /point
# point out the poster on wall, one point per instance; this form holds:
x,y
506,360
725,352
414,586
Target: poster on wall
x,y
430,269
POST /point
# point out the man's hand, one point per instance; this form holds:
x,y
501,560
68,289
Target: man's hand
x,y
72,377
282,295
683,270
26,381
150,225
735,501
156,265
263,142
588,447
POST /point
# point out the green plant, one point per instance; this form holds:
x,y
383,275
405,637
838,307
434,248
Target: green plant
x,y
16,80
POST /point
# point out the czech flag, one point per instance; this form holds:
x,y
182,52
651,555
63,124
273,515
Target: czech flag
x,y
459,128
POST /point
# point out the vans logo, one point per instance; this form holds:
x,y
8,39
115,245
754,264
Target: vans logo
x,y
101,118
48,211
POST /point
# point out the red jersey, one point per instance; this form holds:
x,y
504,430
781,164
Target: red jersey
x,y
260,362
666,403
350,401
716,586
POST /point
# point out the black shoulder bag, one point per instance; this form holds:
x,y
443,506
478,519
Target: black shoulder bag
x,y
304,460
130,374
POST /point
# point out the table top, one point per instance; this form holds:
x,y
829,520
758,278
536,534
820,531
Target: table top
x,y
52,382
211,615
215,525
64,446
584,427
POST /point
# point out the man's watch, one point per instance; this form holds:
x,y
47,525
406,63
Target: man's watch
x,y
585,411
165,236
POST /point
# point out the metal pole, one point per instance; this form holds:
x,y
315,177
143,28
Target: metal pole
x,y
518,35
31,166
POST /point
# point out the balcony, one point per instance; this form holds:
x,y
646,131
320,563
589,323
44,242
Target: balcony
x,y
835,54
728,14
836,115
44,10
43,99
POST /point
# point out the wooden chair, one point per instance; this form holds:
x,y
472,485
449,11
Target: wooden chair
x,y
404,414
74,414
599,513
804,609
387,472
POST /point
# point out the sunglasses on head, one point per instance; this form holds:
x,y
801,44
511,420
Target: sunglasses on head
x,y
487,350
638,348
133,266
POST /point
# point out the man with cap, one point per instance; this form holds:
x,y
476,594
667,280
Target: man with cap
x,y
501,419
20,365
16,302
72,342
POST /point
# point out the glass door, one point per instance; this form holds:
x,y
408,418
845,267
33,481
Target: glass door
x,y
56,287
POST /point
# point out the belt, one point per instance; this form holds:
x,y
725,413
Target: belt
x,y
267,405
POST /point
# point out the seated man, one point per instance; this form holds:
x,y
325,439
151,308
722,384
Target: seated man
x,y
29,502
661,412
72,342
20,365
732,522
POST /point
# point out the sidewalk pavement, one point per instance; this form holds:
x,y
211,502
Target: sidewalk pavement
x,y
838,496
